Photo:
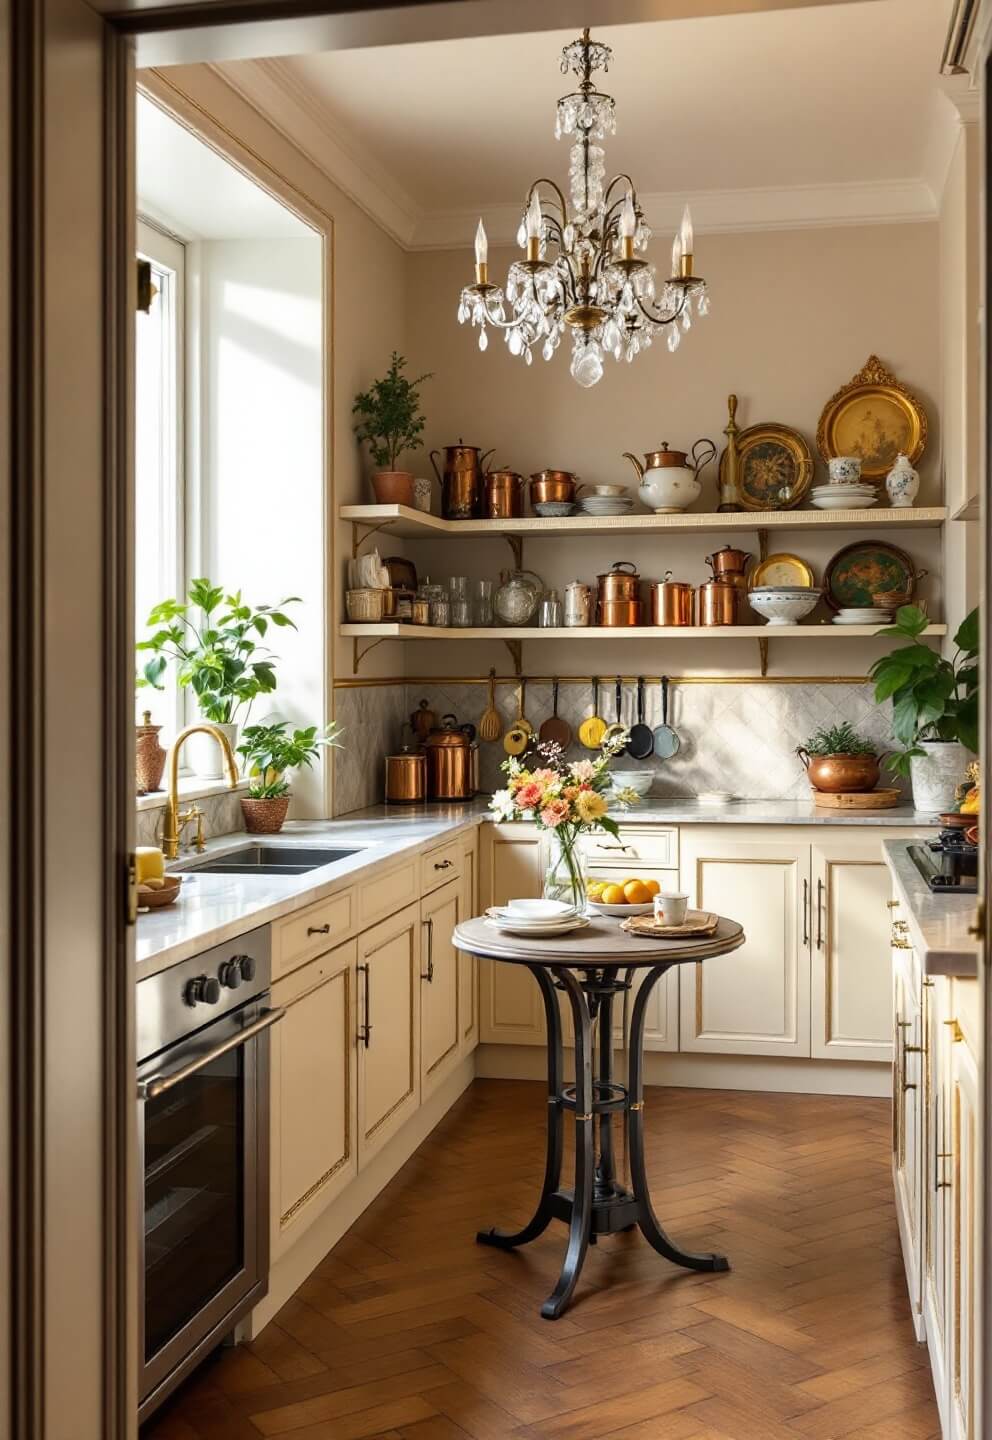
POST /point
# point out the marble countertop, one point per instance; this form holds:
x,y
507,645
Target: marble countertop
x,y
215,908
938,924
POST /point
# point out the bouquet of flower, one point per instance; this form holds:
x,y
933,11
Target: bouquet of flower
x,y
565,798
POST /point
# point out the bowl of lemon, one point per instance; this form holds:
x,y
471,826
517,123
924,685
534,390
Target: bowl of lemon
x,y
628,897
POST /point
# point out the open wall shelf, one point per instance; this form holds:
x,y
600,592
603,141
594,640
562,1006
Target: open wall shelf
x,y
390,630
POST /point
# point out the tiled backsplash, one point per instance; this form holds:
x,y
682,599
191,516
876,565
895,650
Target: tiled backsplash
x,y
221,816
738,738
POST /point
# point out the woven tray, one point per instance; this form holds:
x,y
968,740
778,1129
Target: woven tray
x,y
697,922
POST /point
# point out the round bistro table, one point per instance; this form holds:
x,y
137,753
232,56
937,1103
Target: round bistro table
x,y
593,966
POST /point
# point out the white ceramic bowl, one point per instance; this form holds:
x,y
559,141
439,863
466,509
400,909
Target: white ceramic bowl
x,y
639,780
783,607
621,910
844,502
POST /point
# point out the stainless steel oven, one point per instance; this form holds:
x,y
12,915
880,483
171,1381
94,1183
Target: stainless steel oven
x,y
203,1121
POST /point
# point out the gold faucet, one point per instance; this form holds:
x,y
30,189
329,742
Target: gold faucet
x,y
173,819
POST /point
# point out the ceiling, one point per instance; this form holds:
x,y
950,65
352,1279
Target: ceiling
x,y
828,96
195,193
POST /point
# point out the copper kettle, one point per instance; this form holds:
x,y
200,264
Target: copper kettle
x,y
449,762
460,478
728,561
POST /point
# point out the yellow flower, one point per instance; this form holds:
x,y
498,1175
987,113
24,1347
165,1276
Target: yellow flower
x,y
590,806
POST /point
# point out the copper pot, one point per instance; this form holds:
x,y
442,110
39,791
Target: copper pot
x,y
719,603
449,762
728,561
672,602
621,582
618,612
504,495
461,480
837,774
406,777
552,485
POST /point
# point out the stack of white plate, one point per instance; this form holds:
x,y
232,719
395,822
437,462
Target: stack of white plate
x,y
863,615
837,496
606,505
535,917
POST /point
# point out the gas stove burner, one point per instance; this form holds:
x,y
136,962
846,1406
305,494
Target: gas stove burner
x,y
952,842
948,863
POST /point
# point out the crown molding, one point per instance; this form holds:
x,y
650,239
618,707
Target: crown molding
x,y
271,87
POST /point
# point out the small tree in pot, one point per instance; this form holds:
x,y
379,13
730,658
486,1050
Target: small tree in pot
x,y
391,421
270,751
934,706
839,760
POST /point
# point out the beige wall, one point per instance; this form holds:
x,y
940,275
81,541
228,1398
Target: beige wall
x,y
795,313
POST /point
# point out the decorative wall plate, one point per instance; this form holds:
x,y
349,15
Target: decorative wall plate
x,y
781,570
865,568
874,417
774,467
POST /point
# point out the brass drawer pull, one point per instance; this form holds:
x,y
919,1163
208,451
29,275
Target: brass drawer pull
x,y
319,929
428,974
365,1031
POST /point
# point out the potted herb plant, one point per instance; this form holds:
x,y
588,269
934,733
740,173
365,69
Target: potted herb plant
x,y
391,422
269,751
934,706
216,641
839,760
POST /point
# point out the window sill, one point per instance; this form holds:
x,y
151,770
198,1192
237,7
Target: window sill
x,y
190,788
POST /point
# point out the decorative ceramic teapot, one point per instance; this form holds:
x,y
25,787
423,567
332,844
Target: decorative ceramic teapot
x,y
668,480
902,483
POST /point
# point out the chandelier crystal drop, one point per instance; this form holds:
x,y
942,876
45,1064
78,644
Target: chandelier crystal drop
x,y
583,272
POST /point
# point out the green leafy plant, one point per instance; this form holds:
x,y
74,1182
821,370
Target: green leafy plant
x,y
270,750
837,740
215,639
932,698
391,419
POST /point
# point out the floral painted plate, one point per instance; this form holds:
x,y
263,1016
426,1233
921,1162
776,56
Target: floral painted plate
x,y
864,569
774,467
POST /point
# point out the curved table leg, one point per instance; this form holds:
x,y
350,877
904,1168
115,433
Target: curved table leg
x,y
648,1221
580,1222
508,1239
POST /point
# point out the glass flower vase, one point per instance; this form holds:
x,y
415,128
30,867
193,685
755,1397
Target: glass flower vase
x,y
565,877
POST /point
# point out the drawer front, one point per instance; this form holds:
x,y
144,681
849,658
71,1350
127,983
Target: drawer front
x,y
388,892
659,845
439,866
311,931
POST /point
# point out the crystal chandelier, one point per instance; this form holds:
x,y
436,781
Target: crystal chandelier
x,y
583,270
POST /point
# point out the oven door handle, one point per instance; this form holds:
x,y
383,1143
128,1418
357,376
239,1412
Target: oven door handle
x,y
159,1084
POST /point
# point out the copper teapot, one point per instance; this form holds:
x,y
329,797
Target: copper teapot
x,y
460,478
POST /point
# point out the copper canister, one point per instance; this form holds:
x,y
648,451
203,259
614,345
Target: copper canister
x,y
449,762
621,582
406,777
504,495
718,603
672,602
618,612
460,477
552,486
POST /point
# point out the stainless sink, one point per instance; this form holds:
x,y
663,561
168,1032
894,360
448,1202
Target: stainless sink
x,y
271,860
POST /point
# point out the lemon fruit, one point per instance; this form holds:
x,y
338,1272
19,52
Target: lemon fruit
x,y
595,888
612,895
636,893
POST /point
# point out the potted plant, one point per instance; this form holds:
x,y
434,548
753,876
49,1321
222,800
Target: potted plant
x,y
215,639
934,706
839,760
269,751
391,422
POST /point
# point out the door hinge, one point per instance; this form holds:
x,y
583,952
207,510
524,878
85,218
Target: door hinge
x,y
132,890
978,929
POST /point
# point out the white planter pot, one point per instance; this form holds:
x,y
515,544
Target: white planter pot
x,y
937,774
203,754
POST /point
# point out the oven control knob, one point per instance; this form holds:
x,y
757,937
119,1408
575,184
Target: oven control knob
x,y
231,973
204,990
247,967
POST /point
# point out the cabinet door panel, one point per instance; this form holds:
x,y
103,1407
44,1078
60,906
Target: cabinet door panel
x,y
468,965
440,914
313,1091
389,1001
907,1128
754,1001
851,993
964,1213
512,1010
936,1176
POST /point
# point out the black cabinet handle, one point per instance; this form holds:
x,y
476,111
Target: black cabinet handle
x,y
319,929
428,974
819,914
805,912
365,1031
443,864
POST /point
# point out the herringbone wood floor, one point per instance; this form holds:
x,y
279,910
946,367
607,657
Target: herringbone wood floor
x,y
410,1331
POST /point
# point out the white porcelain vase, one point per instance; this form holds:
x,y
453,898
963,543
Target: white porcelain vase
x,y
203,754
937,774
902,484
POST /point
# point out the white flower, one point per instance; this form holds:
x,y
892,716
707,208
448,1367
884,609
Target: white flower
x,y
616,743
582,770
502,805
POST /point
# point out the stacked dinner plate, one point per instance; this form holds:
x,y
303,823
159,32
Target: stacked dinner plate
x,y
835,495
606,504
863,615
535,917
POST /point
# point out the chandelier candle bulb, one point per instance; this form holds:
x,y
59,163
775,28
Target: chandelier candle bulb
x,y
481,255
676,256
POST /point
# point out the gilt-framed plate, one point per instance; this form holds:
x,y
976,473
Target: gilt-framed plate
x,y
874,417
781,571
864,569
774,467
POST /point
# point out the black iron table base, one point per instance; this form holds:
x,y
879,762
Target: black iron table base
x,y
598,1204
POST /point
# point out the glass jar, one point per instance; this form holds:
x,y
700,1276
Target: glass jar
x,y
516,599
565,877
458,588
549,611
461,613
483,603
440,609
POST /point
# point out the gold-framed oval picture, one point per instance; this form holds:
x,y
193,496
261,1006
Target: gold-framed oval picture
x,y
774,467
875,418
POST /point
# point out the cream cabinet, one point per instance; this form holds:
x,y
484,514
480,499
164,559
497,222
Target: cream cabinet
x,y
936,1183
440,975
511,867
468,965
754,1001
962,1213
851,983
389,984
907,1118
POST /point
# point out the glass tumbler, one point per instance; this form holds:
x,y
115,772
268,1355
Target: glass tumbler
x,y
483,606
461,614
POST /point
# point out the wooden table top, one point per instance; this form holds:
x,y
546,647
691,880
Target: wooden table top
x,y
601,943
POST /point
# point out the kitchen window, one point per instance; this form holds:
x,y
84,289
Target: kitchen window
x,y
159,507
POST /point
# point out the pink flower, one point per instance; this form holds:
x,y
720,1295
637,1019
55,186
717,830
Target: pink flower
x,y
545,777
555,813
529,795
583,769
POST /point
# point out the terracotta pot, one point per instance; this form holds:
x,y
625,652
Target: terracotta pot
x,y
149,757
394,487
837,774
265,817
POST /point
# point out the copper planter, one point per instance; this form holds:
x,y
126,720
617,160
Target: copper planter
x,y
840,774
